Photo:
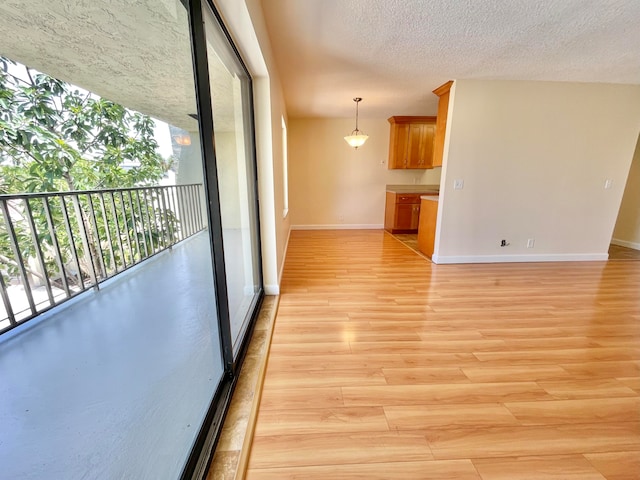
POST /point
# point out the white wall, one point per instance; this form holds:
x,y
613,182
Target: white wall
x,y
534,157
190,161
332,185
190,170
245,21
627,230
227,157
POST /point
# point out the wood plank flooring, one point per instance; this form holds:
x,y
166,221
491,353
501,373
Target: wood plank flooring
x,y
616,252
385,366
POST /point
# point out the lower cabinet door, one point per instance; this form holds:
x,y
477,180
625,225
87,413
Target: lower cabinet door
x,y
407,216
404,217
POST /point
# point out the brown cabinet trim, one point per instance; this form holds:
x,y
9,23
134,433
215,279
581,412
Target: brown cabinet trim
x,y
441,123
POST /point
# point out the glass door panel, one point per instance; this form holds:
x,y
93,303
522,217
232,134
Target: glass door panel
x,y
116,383
233,136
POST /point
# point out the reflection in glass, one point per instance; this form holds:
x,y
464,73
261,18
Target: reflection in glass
x,y
231,97
118,383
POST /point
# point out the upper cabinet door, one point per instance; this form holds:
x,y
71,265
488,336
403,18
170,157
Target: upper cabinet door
x,y
426,145
416,145
398,146
411,142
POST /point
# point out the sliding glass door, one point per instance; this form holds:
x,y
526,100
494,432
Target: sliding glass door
x,y
233,137
129,236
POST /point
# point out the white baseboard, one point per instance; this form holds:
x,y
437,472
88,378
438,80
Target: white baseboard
x,y
559,257
272,289
340,226
624,243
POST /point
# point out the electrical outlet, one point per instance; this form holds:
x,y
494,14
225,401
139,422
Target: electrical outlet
x,y
341,218
458,184
531,242
503,243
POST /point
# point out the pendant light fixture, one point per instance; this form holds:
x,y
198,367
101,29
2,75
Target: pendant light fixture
x,y
357,138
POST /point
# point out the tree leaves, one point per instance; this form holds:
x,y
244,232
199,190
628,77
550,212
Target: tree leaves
x,y
71,134
56,137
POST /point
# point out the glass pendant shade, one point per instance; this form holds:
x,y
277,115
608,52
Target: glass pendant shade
x,y
356,139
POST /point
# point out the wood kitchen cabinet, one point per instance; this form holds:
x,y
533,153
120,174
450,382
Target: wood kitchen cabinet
x,y
402,212
441,122
411,142
427,226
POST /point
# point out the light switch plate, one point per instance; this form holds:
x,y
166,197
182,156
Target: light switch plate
x,y
607,183
458,184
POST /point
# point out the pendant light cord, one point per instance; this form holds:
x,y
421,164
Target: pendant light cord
x,y
357,100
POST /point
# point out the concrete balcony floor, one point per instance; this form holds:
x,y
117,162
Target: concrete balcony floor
x,y
115,383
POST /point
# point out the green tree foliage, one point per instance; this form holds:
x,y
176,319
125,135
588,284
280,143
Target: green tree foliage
x,y
56,137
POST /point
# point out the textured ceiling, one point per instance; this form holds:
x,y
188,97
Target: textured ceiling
x,y
134,53
390,52
393,53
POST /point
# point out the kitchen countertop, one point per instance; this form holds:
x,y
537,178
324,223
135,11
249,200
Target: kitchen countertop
x,y
431,189
433,198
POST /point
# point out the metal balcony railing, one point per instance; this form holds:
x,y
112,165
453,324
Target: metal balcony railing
x,y
54,246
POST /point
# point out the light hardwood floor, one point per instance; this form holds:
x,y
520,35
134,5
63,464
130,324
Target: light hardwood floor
x,y
617,252
385,366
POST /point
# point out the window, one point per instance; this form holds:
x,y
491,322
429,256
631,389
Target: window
x,y
285,170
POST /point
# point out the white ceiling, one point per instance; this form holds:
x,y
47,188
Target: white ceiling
x,y
393,53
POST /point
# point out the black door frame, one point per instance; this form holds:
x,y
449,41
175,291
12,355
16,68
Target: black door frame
x,y
202,452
